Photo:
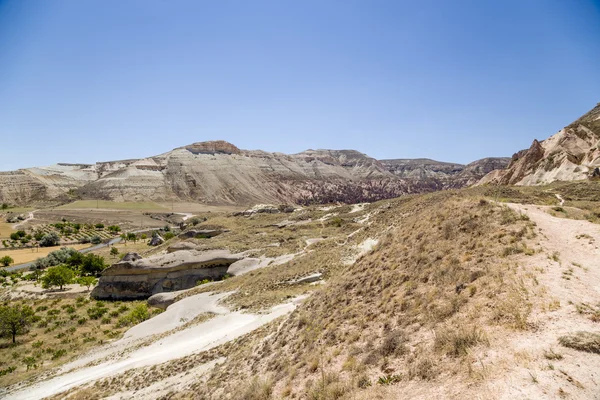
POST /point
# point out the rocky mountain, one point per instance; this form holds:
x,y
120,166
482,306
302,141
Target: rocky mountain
x,y
571,154
443,175
218,172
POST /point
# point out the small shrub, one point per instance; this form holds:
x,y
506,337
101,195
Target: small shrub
x,y
58,354
257,389
393,344
389,379
363,382
96,312
138,314
582,341
457,342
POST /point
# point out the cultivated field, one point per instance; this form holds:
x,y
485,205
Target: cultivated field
x,y
25,255
5,230
113,205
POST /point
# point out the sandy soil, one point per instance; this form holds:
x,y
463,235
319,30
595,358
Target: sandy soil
x,y
172,384
37,290
572,280
136,349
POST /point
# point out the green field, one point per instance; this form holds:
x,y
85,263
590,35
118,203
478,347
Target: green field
x,y
112,205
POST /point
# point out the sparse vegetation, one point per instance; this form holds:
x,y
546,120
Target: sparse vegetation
x,y
582,341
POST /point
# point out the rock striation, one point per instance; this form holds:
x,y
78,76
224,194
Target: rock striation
x,y
571,154
139,278
219,173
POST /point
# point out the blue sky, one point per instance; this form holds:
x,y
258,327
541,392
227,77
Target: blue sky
x,y
94,80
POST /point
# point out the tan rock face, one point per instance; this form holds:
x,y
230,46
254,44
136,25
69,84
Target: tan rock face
x,y
571,154
135,278
214,147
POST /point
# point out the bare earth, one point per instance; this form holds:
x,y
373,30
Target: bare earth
x,y
577,374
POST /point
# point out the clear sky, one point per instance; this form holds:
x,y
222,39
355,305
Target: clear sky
x,y
453,80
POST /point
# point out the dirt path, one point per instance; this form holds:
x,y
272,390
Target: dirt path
x,y
30,216
568,269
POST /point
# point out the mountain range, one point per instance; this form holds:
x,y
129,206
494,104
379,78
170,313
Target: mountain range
x,y
218,172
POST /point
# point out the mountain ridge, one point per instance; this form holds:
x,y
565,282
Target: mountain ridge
x,y
573,153
218,172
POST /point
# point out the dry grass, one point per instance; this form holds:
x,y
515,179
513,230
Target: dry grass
x,y
26,255
5,230
582,341
416,309
440,268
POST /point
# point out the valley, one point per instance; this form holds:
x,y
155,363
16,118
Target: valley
x,y
320,275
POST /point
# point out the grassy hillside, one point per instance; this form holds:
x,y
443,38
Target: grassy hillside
x,y
422,308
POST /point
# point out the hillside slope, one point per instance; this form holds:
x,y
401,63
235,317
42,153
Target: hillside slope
x,y
219,173
571,154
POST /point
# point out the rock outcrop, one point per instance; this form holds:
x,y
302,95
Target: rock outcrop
x,y
139,278
571,154
201,233
156,240
437,175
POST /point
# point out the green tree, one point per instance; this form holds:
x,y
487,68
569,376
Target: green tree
x,y
6,261
57,276
132,236
4,206
75,259
114,252
92,264
14,320
87,281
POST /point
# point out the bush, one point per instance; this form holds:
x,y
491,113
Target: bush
x,y
97,312
138,314
49,240
6,261
96,239
17,235
58,354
